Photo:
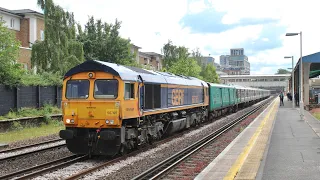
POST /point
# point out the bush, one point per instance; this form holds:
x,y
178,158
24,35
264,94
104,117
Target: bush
x,y
17,126
45,111
43,79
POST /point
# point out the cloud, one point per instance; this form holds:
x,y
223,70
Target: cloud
x,y
210,21
214,26
270,37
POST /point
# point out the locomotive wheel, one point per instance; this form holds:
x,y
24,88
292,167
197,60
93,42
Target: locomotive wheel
x,y
123,149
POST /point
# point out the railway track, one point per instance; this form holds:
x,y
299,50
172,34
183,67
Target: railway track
x,y
117,159
45,167
30,145
161,169
105,164
31,151
38,170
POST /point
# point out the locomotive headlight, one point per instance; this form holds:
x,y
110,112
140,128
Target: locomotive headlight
x,y
72,121
67,120
111,121
91,75
107,121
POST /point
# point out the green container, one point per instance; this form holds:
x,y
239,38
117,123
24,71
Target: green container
x,y
215,97
221,96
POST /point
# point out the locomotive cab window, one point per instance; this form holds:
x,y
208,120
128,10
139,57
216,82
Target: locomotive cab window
x,y
106,88
77,89
129,91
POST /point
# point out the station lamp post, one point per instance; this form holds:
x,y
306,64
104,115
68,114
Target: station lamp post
x,y
292,81
301,79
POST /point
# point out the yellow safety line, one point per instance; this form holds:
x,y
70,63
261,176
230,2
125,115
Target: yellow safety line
x,y
239,162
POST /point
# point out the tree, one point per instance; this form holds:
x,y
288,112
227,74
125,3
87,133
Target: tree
x,y
208,71
283,71
186,67
198,56
172,53
209,74
10,71
60,50
178,60
102,41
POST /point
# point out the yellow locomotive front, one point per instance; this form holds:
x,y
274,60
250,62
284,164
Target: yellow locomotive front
x,y
92,113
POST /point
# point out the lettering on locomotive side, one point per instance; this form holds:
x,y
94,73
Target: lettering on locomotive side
x,y
177,97
195,99
129,109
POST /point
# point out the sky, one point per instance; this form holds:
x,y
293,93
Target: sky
x,y
213,26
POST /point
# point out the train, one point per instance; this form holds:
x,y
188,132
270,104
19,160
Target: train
x,y
110,109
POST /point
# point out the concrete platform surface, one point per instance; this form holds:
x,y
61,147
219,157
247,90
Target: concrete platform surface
x,y
294,148
232,157
3,145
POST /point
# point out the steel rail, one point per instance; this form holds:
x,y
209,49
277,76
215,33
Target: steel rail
x,y
31,145
54,167
31,152
23,171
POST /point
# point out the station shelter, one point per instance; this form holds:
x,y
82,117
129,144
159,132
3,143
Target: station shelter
x,y
310,69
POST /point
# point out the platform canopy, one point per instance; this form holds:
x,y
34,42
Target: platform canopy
x,y
314,59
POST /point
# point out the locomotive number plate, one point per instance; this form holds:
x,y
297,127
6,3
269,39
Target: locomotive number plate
x,y
112,112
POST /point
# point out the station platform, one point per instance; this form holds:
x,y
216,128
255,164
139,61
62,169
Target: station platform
x,y
3,146
276,145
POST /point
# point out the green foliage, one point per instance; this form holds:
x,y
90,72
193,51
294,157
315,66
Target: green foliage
x,y
178,60
32,112
317,115
16,126
172,54
196,54
186,67
42,79
10,71
283,71
102,41
19,133
209,74
59,51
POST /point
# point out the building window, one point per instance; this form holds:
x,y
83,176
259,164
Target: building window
x,y
12,23
41,35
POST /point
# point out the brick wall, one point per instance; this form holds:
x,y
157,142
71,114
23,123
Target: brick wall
x,y
40,27
23,34
142,61
25,57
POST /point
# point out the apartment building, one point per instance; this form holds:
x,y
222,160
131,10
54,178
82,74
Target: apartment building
x,y
135,52
28,26
205,60
236,63
151,59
